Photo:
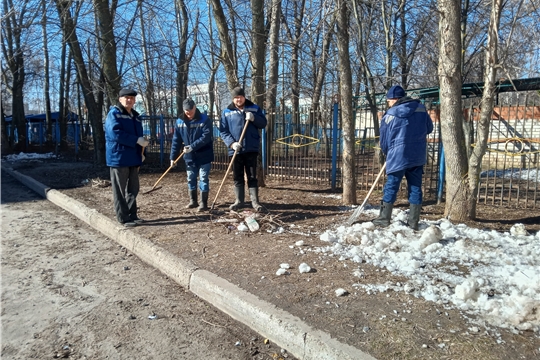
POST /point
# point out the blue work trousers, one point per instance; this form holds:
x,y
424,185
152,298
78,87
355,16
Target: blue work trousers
x,y
414,185
203,171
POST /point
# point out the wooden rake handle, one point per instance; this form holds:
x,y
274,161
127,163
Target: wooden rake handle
x,y
230,164
359,209
167,171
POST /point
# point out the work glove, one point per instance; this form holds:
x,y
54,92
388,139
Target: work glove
x,y
249,116
173,164
236,146
188,149
142,141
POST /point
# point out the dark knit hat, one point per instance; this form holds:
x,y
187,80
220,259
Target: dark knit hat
x,y
188,104
127,92
395,92
238,91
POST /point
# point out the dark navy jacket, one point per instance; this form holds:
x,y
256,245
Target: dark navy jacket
x,y
121,133
232,123
198,134
404,128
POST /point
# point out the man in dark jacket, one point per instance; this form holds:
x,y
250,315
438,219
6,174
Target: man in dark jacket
x,y
403,132
233,120
125,146
193,135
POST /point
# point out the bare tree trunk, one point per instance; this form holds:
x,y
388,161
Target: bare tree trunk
x,y
273,71
214,66
258,52
12,27
46,76
61,91
367,75
94,113
387,15
65,109
321,70
295,36
486,105
451,110
108,46
348,172
183,58
149,91
228,55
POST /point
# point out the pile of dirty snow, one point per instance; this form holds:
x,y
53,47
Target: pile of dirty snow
x,y
493,275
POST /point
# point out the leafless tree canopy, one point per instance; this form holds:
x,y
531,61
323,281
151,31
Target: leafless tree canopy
x,y
282,51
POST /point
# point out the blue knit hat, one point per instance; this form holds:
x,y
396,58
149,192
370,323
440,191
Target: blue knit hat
x,y
395,92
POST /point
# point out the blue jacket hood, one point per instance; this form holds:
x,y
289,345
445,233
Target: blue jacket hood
x,y
403,132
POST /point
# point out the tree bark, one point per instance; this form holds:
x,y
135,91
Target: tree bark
x,y
258,79
12,29
486,105
94,113
46,75
348,171
228,55
449,72
107,41
273,71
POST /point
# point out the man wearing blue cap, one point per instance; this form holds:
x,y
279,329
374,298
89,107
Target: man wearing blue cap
x,y
193,135
403,132
125,146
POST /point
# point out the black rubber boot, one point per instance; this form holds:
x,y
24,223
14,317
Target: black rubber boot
x,y
254,194
414,216
239,193
385,215
192,199
203,205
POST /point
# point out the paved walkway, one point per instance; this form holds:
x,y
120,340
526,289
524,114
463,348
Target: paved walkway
x,y
284,329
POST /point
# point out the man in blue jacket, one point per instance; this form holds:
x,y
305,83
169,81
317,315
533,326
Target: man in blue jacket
x,y
232,122
125,146
403,132
193,135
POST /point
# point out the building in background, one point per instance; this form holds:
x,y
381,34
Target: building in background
x,y
200,93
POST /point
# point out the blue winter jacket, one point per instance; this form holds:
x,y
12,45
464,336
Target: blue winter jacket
x,y
404,128
232,123
197,133
121,133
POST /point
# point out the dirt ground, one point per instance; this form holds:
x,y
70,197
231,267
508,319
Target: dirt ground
x,y
386,325
69,292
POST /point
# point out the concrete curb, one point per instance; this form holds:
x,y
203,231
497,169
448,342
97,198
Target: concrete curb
x,y
284,329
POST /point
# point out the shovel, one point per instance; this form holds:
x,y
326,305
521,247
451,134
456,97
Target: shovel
x,y
359,209
165,173
230,165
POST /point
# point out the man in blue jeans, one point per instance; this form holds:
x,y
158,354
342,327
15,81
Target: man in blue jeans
x,y
403,132
193,135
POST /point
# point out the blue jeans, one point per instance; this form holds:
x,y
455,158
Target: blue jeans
x,y
203,171
414,185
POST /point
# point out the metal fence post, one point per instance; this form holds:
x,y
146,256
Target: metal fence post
x,y
40,136
334,145
161,139
264,144
442,173
76,135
